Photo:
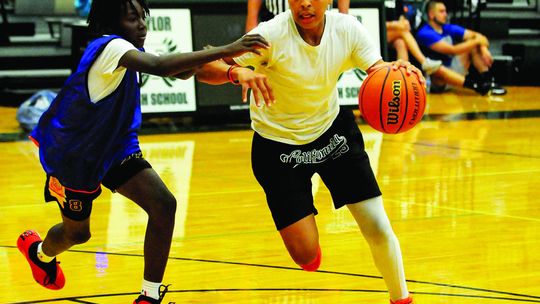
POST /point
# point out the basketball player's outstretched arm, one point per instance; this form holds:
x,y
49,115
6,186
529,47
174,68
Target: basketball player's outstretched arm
x,y
218,72
183,64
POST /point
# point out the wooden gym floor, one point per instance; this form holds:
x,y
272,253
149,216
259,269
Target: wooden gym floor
x,y
462,190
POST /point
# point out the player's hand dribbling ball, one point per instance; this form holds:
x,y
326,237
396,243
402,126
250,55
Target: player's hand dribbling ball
x,y
390,101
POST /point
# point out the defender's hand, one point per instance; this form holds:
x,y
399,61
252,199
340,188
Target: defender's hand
x,y
248,43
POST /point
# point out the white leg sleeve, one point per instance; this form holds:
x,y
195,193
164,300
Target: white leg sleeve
x,y
375,226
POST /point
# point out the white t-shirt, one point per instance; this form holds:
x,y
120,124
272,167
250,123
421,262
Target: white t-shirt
x,y
105,75
304,77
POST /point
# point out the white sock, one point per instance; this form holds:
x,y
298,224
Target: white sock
x,y
375,226
42,256
150,289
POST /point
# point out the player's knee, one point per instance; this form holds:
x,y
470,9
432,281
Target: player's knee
x,y
314,264
79,237
164,207
379,233
169,205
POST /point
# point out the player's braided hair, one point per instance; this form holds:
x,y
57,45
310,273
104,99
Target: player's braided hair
x,y
105,15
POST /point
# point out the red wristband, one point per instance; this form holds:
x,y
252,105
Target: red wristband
x,y
229,75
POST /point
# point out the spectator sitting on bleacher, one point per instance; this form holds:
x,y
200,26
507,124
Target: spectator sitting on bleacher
x,y
399,36
457,47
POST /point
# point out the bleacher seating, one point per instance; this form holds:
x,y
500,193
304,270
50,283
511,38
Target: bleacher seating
x,y
34,57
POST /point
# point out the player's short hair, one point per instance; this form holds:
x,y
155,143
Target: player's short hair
x,y
105,15
430,4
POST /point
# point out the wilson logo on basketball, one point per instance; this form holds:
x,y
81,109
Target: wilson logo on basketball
x,y
414,118
391,101
392,117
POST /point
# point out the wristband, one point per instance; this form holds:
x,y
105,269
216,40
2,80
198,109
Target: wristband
x,y
229,75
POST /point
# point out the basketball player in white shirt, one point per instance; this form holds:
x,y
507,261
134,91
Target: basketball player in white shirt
x,y
301,130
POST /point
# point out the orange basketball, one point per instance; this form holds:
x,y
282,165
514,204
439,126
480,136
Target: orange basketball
x,y
390,101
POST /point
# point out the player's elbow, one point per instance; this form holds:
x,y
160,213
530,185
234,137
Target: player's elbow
x,y
186,74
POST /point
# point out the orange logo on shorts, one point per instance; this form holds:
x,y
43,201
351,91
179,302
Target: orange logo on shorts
x,y
57,190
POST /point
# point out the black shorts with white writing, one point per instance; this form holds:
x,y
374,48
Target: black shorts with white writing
x,y
284,171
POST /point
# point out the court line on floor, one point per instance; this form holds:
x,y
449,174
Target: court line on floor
x,y
150,128
79,298
323,271
537,298
481,115
434,145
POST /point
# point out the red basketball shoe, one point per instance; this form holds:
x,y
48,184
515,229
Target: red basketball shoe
x,y
142,299
403,301
48,275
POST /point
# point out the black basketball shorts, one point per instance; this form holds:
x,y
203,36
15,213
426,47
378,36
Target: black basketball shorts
x,y
76,204
121,173
338,156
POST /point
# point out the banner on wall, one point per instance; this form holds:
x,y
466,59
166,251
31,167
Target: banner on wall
x,y
350,81
169,30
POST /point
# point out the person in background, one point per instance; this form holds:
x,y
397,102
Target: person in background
x,y
459,49
400,37
88,137
300,129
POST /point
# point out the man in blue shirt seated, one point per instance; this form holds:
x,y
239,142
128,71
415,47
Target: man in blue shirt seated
x,y
457,48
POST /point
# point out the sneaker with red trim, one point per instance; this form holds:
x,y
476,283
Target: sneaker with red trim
x,y
48,275
142,299
146,300
408,300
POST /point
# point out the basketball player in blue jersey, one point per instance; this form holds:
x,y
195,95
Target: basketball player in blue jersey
x,y
88,138
301,130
